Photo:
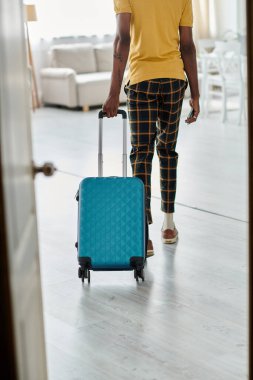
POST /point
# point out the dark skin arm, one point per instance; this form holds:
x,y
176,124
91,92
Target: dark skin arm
x,y
188,53
120,57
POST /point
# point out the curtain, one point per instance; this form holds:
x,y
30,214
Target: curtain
x,y
201,11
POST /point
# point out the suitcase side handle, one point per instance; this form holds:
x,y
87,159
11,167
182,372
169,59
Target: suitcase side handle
x,y
101,115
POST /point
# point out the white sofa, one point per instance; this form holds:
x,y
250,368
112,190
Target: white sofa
x,y
79,75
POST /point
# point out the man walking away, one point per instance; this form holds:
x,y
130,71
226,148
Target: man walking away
x,y
156,36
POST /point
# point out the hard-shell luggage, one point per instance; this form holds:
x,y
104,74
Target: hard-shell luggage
x,y
112,229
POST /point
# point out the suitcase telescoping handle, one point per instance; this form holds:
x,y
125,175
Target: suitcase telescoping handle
x,y
101,115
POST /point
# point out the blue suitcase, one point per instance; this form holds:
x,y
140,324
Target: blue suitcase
x,y
112,229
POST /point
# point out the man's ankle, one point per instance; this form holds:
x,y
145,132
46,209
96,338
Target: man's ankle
x,y
168,222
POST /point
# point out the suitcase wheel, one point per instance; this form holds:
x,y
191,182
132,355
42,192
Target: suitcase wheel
x,y
139,273
84,273
77,195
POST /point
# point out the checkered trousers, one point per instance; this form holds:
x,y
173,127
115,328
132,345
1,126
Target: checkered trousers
x,y
154,108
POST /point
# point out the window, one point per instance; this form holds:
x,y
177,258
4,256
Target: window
x,y
75,17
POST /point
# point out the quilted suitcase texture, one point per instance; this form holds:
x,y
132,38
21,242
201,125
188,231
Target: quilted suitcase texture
x,y
111,222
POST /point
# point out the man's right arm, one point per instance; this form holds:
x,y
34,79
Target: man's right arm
x,y
120,56
188,53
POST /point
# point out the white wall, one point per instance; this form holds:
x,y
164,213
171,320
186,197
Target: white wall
x,y
227,15
241,9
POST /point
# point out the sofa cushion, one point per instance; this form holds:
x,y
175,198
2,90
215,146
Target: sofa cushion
x,y
79,57
104,56
93,88
93,77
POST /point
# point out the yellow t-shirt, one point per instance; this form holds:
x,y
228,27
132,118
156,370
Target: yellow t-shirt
x,y
154,50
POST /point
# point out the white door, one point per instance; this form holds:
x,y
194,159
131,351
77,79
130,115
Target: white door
x,y
19,199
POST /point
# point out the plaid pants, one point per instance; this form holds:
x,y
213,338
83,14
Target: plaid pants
x,y
154,108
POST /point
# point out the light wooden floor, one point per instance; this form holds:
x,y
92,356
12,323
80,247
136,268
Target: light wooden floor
x,y
188,319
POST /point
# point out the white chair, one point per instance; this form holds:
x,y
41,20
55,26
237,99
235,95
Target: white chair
x,y
206,65
230,35
205,45
229,79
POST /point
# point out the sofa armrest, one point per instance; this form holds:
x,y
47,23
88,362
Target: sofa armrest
x,y
59,86
57,72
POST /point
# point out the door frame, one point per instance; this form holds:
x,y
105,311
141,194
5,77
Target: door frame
x,y
8,368
21,304
249,16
